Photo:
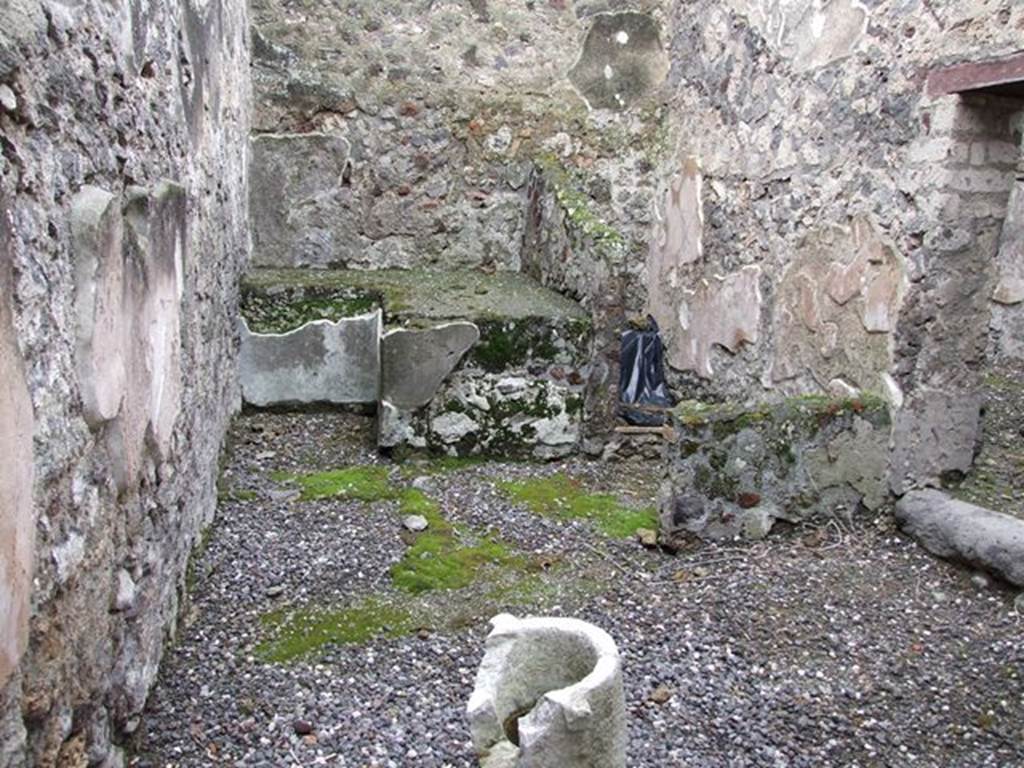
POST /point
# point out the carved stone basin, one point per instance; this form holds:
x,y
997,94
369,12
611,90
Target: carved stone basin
x,y
548,695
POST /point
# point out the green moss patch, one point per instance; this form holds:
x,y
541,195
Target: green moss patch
x,y
367,483
407,296
809,411
295,633
446,559
444,556
564,498
576,204
236,494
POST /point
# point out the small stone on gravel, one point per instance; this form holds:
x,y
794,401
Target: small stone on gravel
x,y
661,694
647,537
415,523
425,483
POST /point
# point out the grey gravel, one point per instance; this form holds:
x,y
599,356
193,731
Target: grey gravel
x,y
836,646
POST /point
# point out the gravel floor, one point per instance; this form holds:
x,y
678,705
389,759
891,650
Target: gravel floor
x,y
997,478
820,647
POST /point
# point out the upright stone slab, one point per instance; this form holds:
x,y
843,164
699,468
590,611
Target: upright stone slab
x,y
415,362
97,235
155,238
937,433
320,362
17,520
548,694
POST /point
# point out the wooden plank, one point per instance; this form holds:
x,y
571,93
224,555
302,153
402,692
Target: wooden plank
x,y
1004,76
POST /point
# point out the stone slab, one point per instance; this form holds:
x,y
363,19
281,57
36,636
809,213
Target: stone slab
x,y
622,60
321,362
97,243
429,296
415,362
155,239
934,434
953,529
17,521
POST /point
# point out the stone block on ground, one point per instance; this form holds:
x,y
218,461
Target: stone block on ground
x,y
470,363
919,457
480,413
734,470
549,694
956,530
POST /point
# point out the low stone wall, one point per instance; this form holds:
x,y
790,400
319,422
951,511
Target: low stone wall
x,y
519,393
732,471
123,232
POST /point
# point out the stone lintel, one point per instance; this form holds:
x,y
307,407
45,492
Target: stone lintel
x,y
1003,76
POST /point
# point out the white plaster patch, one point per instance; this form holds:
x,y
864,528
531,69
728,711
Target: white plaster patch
x,y
609,73
622,37
68,556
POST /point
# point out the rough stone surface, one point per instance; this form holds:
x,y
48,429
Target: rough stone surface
x,y
810,34
298,199
938,433
722,311
559,681
957,530
835,306
97,232
732,471
519,392
1007,342
110,100
321,362
446,107
17,524
416,362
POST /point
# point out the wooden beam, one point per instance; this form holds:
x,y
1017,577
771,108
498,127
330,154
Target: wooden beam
x,y
1004,76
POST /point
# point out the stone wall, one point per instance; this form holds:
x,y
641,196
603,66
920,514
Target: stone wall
x,y
826,225
437,113
123,233
769,178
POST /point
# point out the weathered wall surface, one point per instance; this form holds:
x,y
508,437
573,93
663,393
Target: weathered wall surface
x,y
443,109
501,136
824,224
123,232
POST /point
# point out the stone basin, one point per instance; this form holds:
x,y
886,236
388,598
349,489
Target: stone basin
x,y
548,694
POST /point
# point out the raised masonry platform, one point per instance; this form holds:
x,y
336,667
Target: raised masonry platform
x,y
734,470
460,363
